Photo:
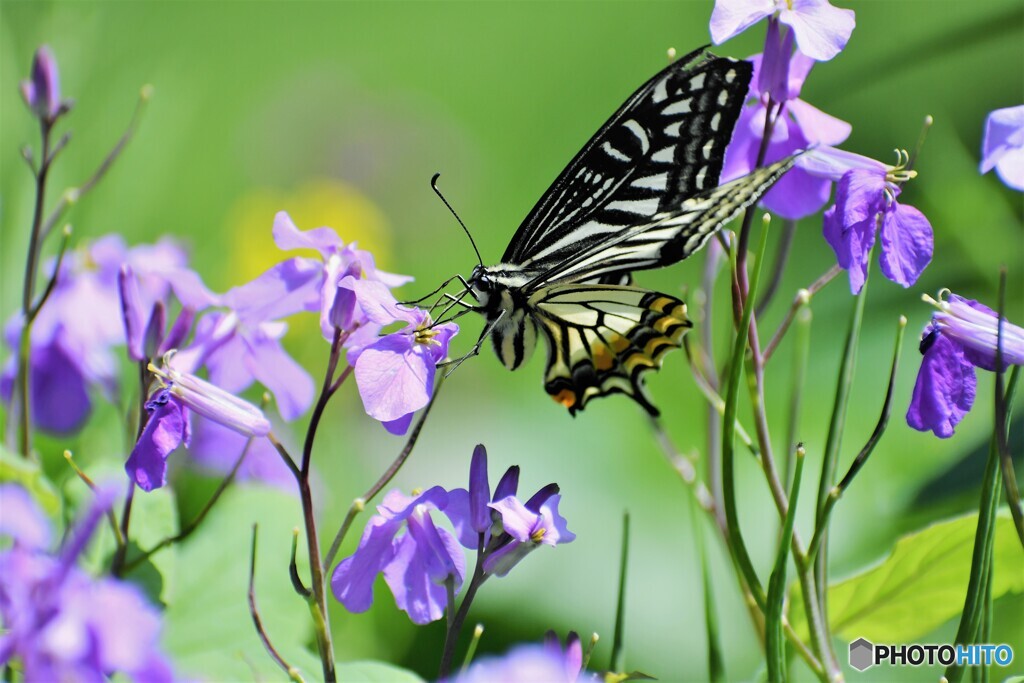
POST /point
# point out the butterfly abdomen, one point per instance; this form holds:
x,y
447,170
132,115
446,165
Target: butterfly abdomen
x,y
515,334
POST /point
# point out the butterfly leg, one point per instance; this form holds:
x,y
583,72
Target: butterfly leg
x,y
475,351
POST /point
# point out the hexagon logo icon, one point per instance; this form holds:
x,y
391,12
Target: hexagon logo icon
x,y
862,654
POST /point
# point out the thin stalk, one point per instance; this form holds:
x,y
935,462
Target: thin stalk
x,y
801,352
775,649
802,298
28,293
984,540
615,660
451,635
862,457
359,504
1006,461
832,442
478,632
716,659
714,400
778,267
729,430
254,612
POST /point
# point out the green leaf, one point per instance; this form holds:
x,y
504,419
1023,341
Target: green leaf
x,y
26,472
375,672
209,632
920,586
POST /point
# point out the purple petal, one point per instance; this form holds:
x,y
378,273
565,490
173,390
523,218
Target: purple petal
x,y
22,520
288,381
907,244
178,332
352,581
393,380
773,76
800,66
501,561
555,529
290,287
131,312
217,448
516,519
379,304
399,426
822,30
124,625
945,388
221,406
288,237
58,391
832,163
818,128
457,512
442,555
732,17
164,432
408,576
573,656
742,148
851,244
479,490
42,92
508,485
1004,143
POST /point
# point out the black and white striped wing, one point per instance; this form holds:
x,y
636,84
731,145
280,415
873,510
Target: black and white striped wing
x,y
664,145
667,237
602,338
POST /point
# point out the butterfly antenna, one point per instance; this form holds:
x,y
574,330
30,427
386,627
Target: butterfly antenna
x,y
437,191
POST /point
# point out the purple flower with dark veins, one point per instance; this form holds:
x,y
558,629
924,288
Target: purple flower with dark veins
x,y
416,564
395,372
1003,146
60,624
168,426
821,30
798,126
505,529
962,336
866,205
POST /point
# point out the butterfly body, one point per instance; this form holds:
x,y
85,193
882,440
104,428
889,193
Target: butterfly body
x,y
642,193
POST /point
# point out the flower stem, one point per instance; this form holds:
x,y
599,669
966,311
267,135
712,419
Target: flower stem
x,y
451,635
862,457
615,660
359,504
293,673
781,257
774,644
1006,461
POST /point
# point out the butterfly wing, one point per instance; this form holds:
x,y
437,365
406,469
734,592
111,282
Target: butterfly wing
x,y
602,338
666,238
664,145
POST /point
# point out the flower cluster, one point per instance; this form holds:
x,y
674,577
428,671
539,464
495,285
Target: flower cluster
x,y
60,623
419,558
1003,146
962,335
548,662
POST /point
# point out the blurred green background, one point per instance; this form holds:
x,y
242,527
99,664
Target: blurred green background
x,y
340,113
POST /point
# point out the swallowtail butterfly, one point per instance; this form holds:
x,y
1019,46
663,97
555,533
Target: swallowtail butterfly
x,y
642,193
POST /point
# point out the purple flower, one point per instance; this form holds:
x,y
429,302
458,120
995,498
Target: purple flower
x,y
238,350
145,330
547,663
41,92
822,30
60,623
1003,146
168,425
505,529
75,332
320,282
961,336
394,373
416,565
797,126
866,199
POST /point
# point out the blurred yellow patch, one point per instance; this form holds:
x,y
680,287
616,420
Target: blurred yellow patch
x,y
320,202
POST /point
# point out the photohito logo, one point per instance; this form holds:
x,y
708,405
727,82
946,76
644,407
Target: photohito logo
x,y
864,654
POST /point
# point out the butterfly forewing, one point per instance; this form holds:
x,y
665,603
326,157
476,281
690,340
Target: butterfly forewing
x,y
602,338
668,237
664,145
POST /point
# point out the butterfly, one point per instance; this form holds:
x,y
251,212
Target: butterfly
x,y
642,193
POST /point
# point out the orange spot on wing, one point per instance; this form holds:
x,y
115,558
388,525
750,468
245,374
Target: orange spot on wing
x,y
566,397
603,358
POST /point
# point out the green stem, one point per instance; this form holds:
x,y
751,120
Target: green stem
x,y
775,646
620,604
729,428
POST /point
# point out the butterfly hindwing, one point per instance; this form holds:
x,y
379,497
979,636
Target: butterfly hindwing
x,y
665,144
602,338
